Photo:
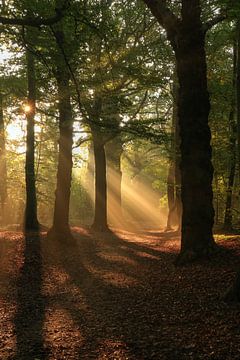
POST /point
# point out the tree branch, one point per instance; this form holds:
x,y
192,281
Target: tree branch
x,y
166,18
216,20
37,21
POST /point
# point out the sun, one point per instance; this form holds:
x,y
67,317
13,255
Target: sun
x,y
27,108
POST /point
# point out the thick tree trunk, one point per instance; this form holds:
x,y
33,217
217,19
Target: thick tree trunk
x,y
61,229
193,112
100,210
31,221
187,37
3,165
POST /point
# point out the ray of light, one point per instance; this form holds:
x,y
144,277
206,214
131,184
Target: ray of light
x,y
139,204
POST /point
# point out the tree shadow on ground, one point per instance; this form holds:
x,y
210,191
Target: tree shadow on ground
x,y
122,309
29,316
106,296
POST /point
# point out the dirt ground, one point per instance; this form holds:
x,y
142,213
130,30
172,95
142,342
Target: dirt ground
x,y
115,296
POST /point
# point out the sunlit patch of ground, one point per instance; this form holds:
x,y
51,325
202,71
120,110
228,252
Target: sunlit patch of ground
x,y
115,296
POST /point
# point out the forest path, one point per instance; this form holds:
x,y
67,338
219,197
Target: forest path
x,y
114,296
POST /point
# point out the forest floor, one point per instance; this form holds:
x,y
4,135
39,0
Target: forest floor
x,y
115,296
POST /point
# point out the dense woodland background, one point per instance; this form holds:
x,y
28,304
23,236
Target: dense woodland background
x,y
119,66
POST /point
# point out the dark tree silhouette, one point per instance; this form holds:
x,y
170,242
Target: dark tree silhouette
x,y
30,221
187,38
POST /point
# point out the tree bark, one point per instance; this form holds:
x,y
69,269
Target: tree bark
x,y
171,196
3,165
187,38
238,94
100,210
196,166
114,152
61,229
31,220
233,294
175,209
232,150
177,158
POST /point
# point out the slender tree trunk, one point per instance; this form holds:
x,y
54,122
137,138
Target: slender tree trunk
x,y
100,211
238,95
233,293
217,198
228,210
171,196
178,199
178,182
114,152
232,150
171,169
175,213
31,220
89,186
3,165
61,229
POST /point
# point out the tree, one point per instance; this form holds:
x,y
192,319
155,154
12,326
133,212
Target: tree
x,y
174,178
30,220
113,88
114,150
60,229
232,149
3,165
187,38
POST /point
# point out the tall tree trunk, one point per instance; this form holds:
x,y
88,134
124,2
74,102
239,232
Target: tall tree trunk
x,y
31,220
187,37
174,178
177,159
61,229
196,166
238,94
89,187
3,165
233,293
114,152
171,196
232,150
216,198
100,210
